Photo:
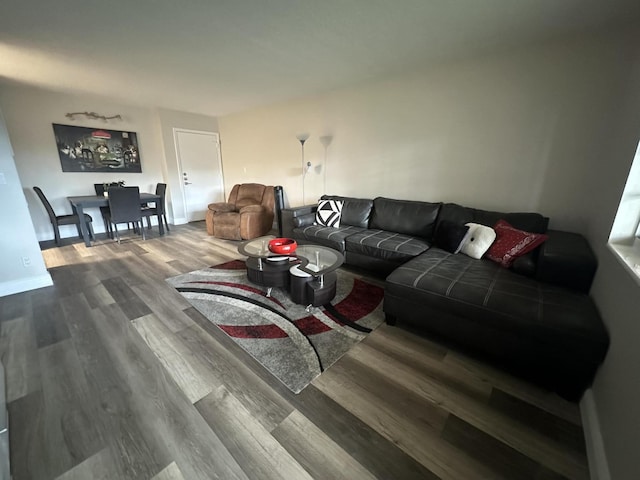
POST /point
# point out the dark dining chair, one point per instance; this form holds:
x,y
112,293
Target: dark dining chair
x,y
124,207
57,220
159,209
104,211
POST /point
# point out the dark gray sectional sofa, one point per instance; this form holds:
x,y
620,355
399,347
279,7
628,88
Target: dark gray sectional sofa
x,y
534,319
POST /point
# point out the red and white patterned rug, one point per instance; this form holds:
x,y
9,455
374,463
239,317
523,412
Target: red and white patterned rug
x,y
294,345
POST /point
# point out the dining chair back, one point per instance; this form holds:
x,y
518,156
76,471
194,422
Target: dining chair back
x,y
159,209
57,220
104,211
124,207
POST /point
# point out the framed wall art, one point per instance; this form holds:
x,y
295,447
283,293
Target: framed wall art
x,y
85,149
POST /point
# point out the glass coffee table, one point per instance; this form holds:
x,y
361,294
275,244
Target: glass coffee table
x,y
308,273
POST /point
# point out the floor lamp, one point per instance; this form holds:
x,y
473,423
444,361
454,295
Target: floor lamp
x,y
325,141
305,166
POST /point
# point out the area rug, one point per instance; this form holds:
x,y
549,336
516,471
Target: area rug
x,y
294,345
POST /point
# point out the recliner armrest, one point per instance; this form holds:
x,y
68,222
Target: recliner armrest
x,y
252,208
289,214
222,207
567,259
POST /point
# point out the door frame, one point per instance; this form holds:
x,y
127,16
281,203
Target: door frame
x,y
216,135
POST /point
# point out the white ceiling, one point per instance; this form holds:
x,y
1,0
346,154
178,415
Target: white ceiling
x,y
221,56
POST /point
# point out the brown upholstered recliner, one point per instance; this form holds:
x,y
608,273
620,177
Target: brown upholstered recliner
x,y
248,213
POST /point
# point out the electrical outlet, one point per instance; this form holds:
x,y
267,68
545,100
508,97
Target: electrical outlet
x,y
26,262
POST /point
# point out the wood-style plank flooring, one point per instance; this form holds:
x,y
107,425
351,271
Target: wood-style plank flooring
x,y
111,374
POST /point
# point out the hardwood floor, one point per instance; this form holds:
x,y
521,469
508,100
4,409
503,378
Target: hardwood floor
x,y
111,374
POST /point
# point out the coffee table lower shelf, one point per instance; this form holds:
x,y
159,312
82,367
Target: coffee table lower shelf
x,y
309,290
268,274
305,289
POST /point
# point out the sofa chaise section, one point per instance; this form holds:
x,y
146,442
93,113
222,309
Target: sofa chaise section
x,y
544,332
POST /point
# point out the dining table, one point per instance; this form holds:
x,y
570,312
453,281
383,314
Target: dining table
x,y
79,203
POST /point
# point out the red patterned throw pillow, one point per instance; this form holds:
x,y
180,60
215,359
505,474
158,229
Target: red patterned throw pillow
x,y
512,243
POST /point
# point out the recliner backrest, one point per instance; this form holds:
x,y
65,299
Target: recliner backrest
x,y
243,194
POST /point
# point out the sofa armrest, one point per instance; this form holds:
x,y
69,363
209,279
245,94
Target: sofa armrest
x,y
290,214
304,220
566,259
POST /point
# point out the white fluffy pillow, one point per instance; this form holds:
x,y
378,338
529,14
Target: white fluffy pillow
x,y
478,240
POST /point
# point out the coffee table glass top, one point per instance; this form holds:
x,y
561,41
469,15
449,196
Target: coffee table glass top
x,y
315,260
258,247
319,259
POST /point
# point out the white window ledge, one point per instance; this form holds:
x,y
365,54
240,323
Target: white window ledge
x,y
629,256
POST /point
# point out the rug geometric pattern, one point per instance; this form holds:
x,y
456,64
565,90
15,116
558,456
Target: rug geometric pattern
x,y
294,345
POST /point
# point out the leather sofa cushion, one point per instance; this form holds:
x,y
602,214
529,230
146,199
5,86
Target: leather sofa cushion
x,y
498,298
566,259
530,222
355,211
328,236
404,216
383,245
526,264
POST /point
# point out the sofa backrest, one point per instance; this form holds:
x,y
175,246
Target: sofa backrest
x,y
530,222
405,216
355,211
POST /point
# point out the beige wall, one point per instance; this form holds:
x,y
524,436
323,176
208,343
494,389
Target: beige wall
x,y
29,114
508,131
551,128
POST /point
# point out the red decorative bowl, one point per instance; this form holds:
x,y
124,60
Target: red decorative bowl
x,y
283,246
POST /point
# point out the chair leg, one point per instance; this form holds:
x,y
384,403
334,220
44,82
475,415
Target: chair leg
x,y
149,223
142,229
166,224
107,226
56,233
115,228
90,228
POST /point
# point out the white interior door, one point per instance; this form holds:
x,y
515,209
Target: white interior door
x,y
200,169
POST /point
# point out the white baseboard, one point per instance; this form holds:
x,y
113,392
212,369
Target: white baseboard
x,y
31,283
180,221
596,455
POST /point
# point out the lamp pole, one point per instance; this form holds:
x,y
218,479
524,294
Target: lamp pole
x,y
303,138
